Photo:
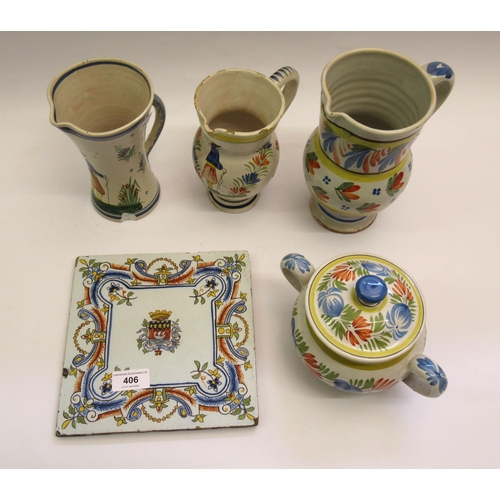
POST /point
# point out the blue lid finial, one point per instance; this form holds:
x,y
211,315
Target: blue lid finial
x,y
371,290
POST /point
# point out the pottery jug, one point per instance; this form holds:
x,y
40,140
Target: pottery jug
x,y
235,150
374,104
104,106
359,324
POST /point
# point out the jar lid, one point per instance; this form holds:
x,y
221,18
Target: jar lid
x,y
364,308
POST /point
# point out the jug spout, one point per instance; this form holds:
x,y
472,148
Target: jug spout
x,y
241,105
382,96
104,106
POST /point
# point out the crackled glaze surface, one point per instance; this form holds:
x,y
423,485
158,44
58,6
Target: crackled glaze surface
x,y
187,318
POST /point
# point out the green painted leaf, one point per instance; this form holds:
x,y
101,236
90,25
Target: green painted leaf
x,y
377,323
369,383
349,313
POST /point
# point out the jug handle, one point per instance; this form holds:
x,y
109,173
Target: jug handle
x,y
297,270
426,377
443,79
287,79
157,125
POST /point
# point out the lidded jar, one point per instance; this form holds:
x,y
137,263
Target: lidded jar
x,y
359,324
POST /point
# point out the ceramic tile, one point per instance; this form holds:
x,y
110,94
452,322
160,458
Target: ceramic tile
x,y
181,328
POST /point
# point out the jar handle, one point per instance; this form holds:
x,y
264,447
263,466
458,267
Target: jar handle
x,y
157,125
287,79
297,270
443,79
426,377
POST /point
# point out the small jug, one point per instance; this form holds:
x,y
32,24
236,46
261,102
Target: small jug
x,y
103,106
374,104
235,150
359,324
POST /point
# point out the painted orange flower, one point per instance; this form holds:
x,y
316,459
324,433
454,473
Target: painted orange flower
x,y
373,158
240,190
402,290
383,383
398,182
311,363
311,165
340,149
346,191
344,272
359,330
261,160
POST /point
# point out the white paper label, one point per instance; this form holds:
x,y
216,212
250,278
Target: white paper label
x,y
131,379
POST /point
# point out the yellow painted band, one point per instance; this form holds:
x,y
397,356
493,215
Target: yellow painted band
x,y
352,364
311,301
353,176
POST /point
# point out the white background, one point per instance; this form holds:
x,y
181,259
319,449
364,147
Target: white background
x,y
444,230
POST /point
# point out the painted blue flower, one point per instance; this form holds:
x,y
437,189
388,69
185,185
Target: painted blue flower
x,y
251,178
435,374
328,140
376,191
326,180
437,68
374,268
295,259
268,145
331,302
211,283
105,387
398,321
213,383
114,287
346,386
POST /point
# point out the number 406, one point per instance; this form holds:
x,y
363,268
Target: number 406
x,y
131,380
